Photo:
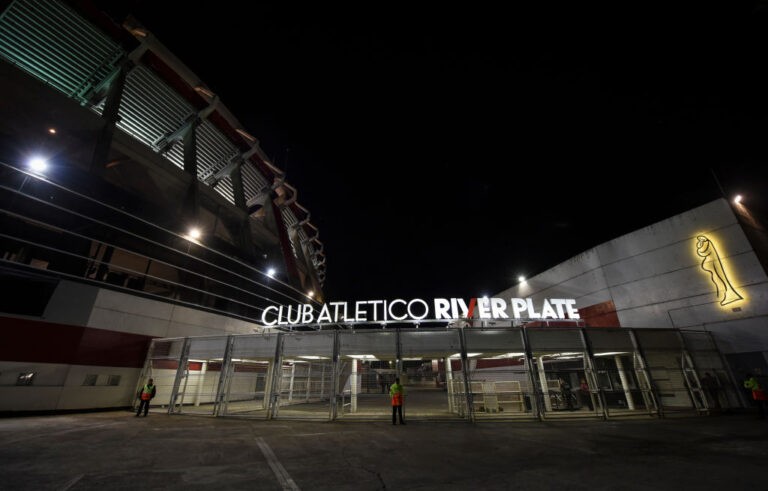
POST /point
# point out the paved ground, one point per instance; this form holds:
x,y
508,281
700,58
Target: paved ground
x,y
118,451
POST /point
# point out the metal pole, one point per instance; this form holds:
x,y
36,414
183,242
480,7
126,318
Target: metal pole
x,y
277,373
536,400
334,409
183,357
225,377
644,361
465,370
589,372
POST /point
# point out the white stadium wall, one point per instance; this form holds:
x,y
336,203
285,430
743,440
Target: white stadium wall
x,y
654,278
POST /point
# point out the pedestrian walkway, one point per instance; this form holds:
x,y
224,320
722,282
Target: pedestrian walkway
x,y
114,450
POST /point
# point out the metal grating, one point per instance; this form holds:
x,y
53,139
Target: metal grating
x,y
290,220
52,43
149,109
224,188
214,151
253,181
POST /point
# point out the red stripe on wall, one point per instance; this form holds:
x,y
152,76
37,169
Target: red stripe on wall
x,y
25,340
601,314
499,363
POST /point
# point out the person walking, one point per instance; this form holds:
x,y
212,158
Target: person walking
x,y
146,394
397,393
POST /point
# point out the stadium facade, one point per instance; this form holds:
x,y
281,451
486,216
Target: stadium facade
x,y
133,205
670,318
145,233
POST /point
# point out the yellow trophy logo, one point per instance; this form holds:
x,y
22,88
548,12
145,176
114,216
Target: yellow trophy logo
x,y
712,264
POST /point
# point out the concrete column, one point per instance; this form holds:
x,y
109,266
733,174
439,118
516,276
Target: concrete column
x,y
624,382
190,167
190,150
309,380
110,115
237,187
543,382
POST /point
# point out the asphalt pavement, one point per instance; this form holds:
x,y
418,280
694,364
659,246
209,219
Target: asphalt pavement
x,y
115,450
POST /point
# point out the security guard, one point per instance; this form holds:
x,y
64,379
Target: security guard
x,y
758,394
146,394
397,393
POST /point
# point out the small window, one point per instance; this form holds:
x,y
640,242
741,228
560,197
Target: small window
x,y
113,380
90,379
26,378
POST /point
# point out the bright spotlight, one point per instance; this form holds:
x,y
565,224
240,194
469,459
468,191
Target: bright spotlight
x,y
38,164
310,293
520,279
195,233
737,199
271,272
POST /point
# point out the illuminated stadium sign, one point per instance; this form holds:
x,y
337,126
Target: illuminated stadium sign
x,y
712,263
418,310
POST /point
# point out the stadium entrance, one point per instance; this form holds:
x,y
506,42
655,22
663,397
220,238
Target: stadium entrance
x,y
448,373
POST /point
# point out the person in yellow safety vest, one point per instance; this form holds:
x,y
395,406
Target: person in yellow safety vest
x,y
758,394
397,393
146,394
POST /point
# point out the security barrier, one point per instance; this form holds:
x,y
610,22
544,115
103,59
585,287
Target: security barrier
x,y
475,374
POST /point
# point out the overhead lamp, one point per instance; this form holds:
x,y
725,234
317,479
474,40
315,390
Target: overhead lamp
x,y
271,272
194,233
38,164
520,279
737,199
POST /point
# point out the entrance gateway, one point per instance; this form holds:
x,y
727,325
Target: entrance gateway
x,y
471,373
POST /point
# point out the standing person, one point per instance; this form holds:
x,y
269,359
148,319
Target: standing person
x,y
146,394
586,397
711,387
758,395
397,393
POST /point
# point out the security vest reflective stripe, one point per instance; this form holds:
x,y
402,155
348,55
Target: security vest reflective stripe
x,y
146,393
751,384
754,386
396,391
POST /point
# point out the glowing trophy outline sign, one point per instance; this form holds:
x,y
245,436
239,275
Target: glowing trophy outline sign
x,y
712,264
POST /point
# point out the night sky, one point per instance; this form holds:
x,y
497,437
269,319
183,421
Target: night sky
x,y
445,150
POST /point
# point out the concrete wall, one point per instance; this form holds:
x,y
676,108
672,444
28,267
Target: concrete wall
x,y
654,278
60,387
123,312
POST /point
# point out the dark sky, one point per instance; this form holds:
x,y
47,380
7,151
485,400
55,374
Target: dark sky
x,y
445,150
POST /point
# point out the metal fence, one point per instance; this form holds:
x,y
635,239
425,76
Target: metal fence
x,y
448,373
